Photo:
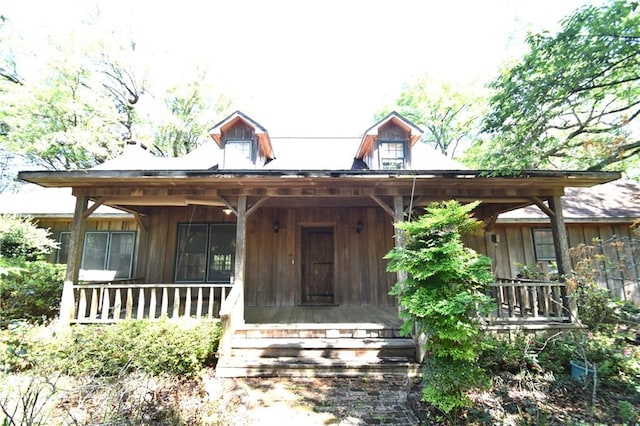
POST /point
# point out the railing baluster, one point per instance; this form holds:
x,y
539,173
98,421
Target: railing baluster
x,y
117,304
82,304
211,301
152,304
176,303
105,304
165,302
199,304
141,304
129,306
93,311
187,303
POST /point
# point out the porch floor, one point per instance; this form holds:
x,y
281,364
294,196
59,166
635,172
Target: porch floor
x,y
321,315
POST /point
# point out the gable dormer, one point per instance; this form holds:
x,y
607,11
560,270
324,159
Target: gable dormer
x,y
387,145
245,144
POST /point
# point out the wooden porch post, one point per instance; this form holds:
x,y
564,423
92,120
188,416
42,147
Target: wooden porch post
x,y
398,216
241,236
76,244
561,247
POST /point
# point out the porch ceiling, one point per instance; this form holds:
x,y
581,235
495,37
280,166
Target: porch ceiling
x,y
139,190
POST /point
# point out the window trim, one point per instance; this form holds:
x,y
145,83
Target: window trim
x,y
206,278
537,244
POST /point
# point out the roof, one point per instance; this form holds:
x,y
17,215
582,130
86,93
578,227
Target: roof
x,y
617,200
34,200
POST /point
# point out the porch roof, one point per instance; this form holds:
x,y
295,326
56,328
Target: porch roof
x,y
137,190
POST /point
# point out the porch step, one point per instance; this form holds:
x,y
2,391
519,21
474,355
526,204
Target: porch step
x,y
315,367
318,350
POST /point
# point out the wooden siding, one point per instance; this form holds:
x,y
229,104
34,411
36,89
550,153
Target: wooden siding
x,y
515,247
273,259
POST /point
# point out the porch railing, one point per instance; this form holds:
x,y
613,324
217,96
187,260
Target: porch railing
x,y
521,301
112,302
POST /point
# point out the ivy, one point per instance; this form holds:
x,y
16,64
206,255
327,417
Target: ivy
x,y
444,299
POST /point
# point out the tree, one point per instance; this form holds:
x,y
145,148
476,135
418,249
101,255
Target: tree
x,y
449,116
188,111
444,296
572,100
61,120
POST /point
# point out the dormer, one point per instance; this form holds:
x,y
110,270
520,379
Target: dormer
x,y
387,145
245,144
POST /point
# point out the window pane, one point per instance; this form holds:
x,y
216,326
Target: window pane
x,y
63,248
543,241
95,250
238,154
391,155
191,256
121,253
222,249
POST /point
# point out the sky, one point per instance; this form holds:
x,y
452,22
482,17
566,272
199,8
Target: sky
x,y
306,67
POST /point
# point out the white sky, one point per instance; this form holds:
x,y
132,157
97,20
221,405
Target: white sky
x,y
306,68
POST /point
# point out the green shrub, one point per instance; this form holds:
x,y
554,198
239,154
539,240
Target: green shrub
x,y
29,291
21,238
444,298
155,347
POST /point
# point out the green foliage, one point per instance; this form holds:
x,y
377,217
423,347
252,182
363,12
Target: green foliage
x,y
571,101
449,116
30,291
153,347
21,238
444,298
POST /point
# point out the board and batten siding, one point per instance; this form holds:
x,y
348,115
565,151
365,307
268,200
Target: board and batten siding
x,y
515,246
272,276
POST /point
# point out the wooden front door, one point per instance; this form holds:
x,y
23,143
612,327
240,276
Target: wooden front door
x,y
317,266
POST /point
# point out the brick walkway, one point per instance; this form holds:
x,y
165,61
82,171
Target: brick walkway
x,y
312,401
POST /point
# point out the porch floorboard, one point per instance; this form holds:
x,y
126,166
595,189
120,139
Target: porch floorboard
x,y
386,317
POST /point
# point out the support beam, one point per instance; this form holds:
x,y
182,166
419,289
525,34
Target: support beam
x,y
94,207
384,205
255,206
76,244
241,250
398,207
561,247
542,206
230,206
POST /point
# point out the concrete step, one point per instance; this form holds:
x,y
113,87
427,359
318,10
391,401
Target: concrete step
x,y
315,367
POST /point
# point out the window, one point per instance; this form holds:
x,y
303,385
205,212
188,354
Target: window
x,y
103,250
205,252
238,153
392,155
543,243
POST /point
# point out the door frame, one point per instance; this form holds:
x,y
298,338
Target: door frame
x,y
299,229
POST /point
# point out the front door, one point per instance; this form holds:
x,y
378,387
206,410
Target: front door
x,y
317,265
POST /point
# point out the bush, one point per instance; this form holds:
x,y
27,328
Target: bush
x,y
29,291
444,298
20,238
154,347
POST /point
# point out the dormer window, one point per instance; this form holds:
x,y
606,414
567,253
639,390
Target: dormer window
x,y
392,155
245,144
238,154
387,144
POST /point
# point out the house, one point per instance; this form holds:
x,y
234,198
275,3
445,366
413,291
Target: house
x,y
284,238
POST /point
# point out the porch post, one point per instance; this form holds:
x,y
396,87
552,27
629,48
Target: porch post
x,y
561,247
241,236
398,216
76,244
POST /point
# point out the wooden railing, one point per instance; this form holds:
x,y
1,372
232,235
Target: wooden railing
x,y
231,315
113,301
521,301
